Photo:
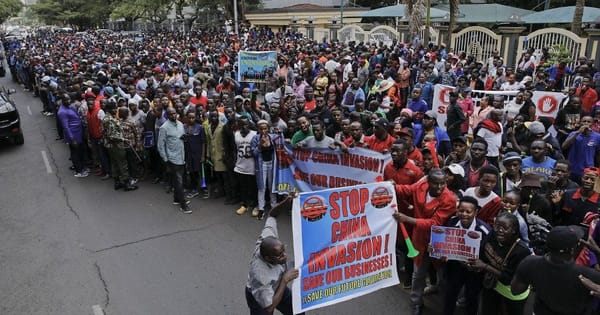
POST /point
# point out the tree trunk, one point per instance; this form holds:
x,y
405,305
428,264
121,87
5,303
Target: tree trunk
x,y
578,17
451,21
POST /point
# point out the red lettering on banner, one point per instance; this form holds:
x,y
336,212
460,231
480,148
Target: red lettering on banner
x,y
320,157
354,200
349,229
312,282
336,255
318,180
300,175
361,162
301,155
336,182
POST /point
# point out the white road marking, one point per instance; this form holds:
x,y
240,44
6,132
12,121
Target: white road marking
x,y
97,310
46,162
29,111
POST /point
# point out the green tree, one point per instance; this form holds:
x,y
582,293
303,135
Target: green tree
x,y
151,10
78,13
9,8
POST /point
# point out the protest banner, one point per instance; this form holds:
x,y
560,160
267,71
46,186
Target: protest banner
x,y
454,243
344,244
546,102
316,169
253,65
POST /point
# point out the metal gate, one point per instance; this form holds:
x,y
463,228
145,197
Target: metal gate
x,y
552,36
383,34
477,41
352,33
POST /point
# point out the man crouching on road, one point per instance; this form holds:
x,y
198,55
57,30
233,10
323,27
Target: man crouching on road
x,y
266,289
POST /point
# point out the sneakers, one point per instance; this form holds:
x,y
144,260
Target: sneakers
x,y
241,210
82,174
430,289
105,176
192,194
187,202
261,215
185,210
255,212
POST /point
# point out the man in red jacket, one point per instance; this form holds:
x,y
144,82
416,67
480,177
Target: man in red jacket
x,y
94,116
433,204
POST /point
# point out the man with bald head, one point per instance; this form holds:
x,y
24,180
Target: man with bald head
x,y
266,288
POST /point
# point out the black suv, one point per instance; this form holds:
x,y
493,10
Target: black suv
x,y
10,122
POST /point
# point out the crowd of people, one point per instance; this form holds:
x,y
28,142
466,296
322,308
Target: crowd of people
x,y
166,108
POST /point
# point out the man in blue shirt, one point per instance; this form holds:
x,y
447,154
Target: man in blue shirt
x,y
583,146
538,162
417,105
172,151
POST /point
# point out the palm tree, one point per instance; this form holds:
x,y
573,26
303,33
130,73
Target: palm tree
x,y
578,17
415,10
453,4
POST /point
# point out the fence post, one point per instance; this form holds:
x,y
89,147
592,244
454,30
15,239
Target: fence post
x,y
510,43
404,34
592,47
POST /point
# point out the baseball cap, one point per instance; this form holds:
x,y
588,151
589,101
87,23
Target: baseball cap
x,y
407,131
563,238
431,114
461,139
510,157
382,122
456,169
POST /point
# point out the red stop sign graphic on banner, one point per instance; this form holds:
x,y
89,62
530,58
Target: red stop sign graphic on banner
x,y
444,97
547,104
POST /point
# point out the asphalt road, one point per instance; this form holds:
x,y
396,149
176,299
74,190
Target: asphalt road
x,y
75,246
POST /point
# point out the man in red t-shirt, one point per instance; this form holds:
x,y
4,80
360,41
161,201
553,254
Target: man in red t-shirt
x,y
381,140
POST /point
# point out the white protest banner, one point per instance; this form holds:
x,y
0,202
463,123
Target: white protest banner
x,y
344,244
546,103
454,243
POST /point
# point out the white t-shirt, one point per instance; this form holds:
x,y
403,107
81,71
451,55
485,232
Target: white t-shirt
x,y
494,141
243,164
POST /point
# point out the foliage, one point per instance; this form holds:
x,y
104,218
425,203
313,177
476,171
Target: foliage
x,y
79,13
558,54
152,10
9,8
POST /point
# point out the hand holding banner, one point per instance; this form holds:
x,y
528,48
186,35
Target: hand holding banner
x,y
344,244
454,243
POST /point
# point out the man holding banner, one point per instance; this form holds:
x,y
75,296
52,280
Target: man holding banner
x,y
266,288
433,204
